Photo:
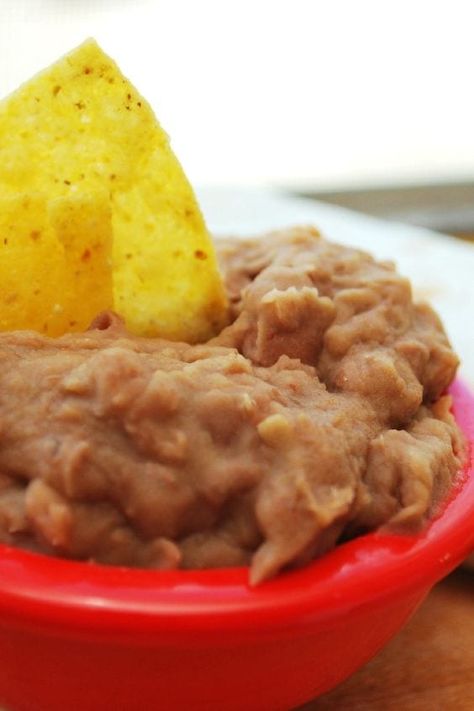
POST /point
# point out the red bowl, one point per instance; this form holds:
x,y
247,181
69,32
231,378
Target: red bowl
x,y
88,637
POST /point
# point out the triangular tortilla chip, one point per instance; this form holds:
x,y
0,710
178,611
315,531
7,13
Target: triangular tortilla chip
x,y
80,127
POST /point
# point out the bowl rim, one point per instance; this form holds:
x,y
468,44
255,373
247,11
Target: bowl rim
x,y
63,594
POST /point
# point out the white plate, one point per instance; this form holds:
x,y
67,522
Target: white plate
x,y
441,268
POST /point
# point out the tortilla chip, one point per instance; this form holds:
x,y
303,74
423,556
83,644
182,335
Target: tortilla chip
x,y
81,128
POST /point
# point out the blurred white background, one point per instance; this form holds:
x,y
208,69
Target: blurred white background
x,y
295,92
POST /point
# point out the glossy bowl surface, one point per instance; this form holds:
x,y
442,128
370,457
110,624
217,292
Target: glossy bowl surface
x,y
89,637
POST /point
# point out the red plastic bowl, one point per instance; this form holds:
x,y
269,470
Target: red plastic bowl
x,y
88,637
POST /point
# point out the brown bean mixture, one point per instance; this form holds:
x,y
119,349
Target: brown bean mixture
x,y
316,415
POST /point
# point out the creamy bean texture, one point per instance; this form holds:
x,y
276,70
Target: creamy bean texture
x,y
318,414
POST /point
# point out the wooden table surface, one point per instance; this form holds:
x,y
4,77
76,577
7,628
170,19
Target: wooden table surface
x,y
428,666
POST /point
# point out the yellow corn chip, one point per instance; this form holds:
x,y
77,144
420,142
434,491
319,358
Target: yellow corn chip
x,y
81,128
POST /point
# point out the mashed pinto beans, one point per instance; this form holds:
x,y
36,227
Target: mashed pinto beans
x,y
317,414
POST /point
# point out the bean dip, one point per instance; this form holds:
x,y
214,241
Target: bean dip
x,y
318,414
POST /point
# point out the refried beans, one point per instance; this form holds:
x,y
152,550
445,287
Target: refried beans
x,y
316,415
